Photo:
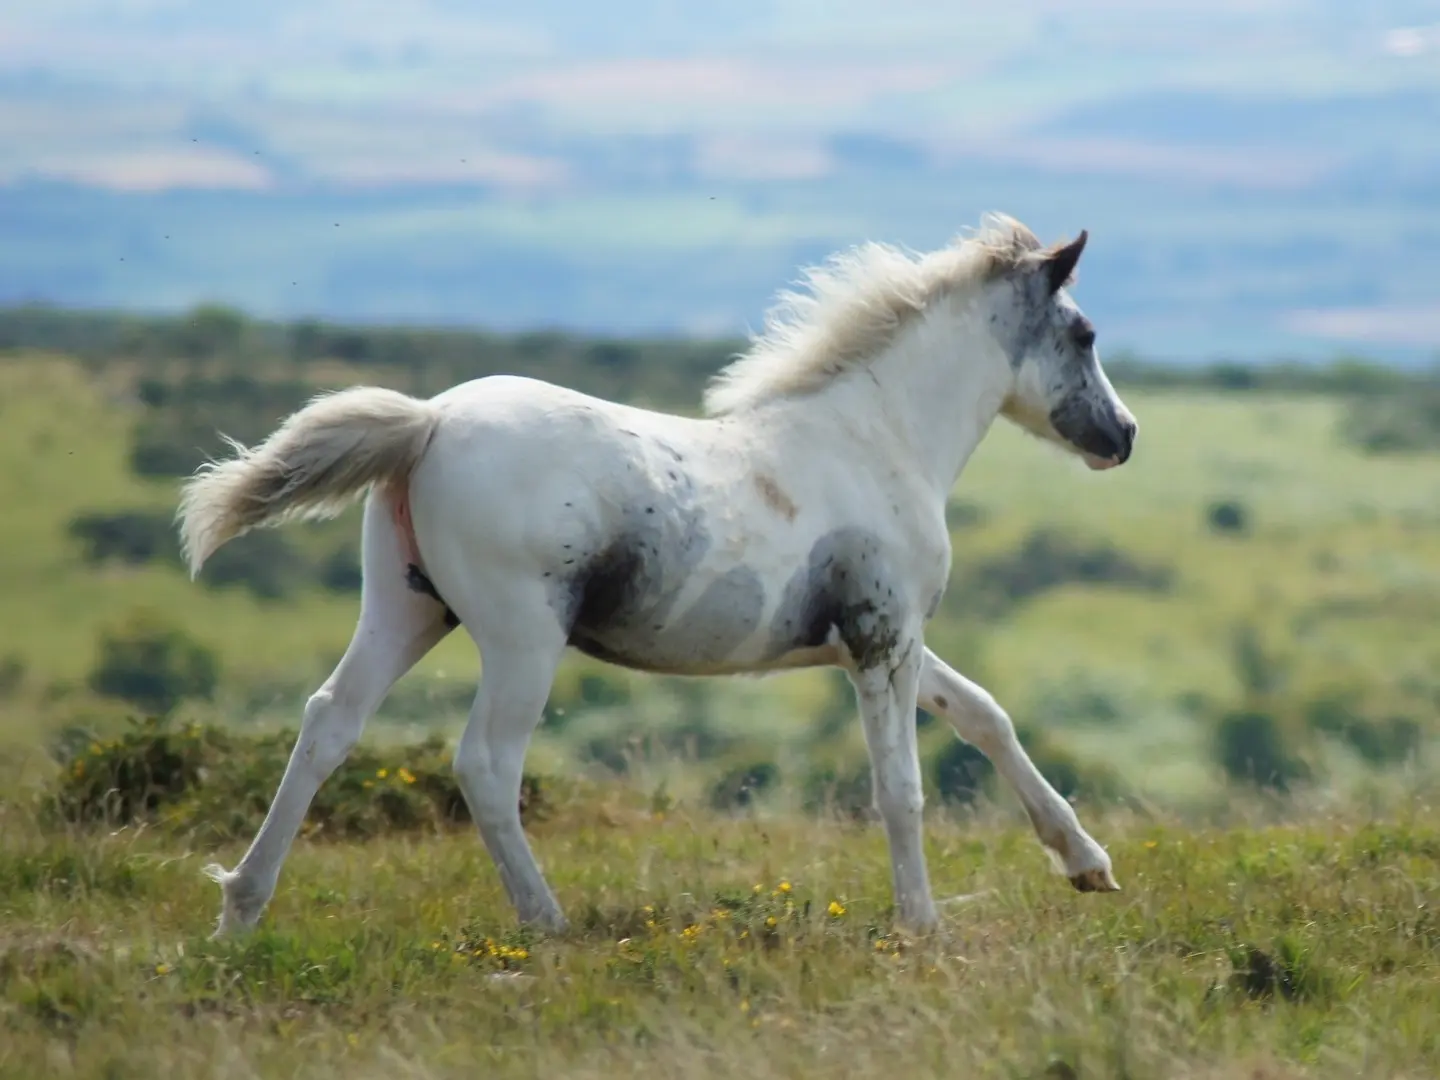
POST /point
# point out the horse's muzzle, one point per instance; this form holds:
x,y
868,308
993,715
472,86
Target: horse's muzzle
x,y
1104,438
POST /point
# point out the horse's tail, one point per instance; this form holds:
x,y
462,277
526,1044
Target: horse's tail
x,y
315,464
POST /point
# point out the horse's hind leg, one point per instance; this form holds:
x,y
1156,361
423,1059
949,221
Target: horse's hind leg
x,y
521,642
397,627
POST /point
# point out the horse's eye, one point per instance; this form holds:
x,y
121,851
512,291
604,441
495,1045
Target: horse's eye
x,y
1084,335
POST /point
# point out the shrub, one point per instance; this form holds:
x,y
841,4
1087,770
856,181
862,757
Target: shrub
x,y
961,772
1048,561
833,789
960,514
741,786
1252,748
1379,742
340,571
1228,516
160,450
1384,742
209,330
599,691
263,562
219,783
1393,424
154,666
130,536
12,674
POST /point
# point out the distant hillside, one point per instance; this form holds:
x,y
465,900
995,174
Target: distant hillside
x,y
1258,179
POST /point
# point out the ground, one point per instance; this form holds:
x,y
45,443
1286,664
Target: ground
x,y
714,946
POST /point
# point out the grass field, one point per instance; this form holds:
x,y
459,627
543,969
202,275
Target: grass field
x,y
1259,935
715,947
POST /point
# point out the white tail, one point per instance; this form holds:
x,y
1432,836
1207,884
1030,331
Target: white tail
x,y
314,465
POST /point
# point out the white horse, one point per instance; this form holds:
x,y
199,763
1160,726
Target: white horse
x,y
800,522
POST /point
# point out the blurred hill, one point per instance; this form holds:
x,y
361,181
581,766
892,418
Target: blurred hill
x,y
1258,179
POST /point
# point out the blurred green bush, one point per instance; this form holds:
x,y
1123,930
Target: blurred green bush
x,y
218,784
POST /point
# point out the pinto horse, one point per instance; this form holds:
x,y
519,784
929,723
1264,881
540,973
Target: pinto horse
x,y
800,521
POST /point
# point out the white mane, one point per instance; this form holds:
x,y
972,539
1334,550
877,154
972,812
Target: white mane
x,y
856,303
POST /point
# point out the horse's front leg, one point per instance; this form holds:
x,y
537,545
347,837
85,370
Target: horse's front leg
x,y
886,691
980,721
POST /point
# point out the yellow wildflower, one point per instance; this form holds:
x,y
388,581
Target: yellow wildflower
x,y
405,774
1152,843
382,773
784,887
836,909
162,969
770,921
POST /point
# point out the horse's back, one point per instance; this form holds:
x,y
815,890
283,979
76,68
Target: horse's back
x,y
653,552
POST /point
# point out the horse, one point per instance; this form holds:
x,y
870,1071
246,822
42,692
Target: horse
x,y
798,521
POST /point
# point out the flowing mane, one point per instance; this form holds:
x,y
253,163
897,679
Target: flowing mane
x,y
856,303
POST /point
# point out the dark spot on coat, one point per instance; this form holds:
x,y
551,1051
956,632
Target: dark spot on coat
x,y
824,597
419,582
603,588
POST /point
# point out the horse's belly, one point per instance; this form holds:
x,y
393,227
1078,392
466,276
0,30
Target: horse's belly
x,y
658,630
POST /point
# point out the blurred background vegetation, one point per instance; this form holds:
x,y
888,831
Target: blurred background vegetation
x,y
1250,604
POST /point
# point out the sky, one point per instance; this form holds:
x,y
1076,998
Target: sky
x,y
610,148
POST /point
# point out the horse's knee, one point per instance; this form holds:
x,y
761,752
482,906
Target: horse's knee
x,y
899,796
980,721
330,731
475,773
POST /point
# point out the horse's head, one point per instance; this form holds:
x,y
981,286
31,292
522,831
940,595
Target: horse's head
x,y
1059,390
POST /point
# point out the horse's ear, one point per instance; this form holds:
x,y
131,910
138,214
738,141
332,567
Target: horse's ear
x,y
1060,262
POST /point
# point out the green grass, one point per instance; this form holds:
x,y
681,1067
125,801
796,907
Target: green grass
x,y
401,957
1291,938
1340,574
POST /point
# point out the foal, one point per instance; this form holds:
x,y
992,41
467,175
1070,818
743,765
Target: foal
x,y
800,522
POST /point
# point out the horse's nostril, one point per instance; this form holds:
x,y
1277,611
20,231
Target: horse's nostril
x,y
1126,442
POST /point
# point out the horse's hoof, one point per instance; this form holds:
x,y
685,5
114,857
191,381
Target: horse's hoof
x,y
1097,880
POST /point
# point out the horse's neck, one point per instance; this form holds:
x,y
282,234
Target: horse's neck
x,y
935,392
